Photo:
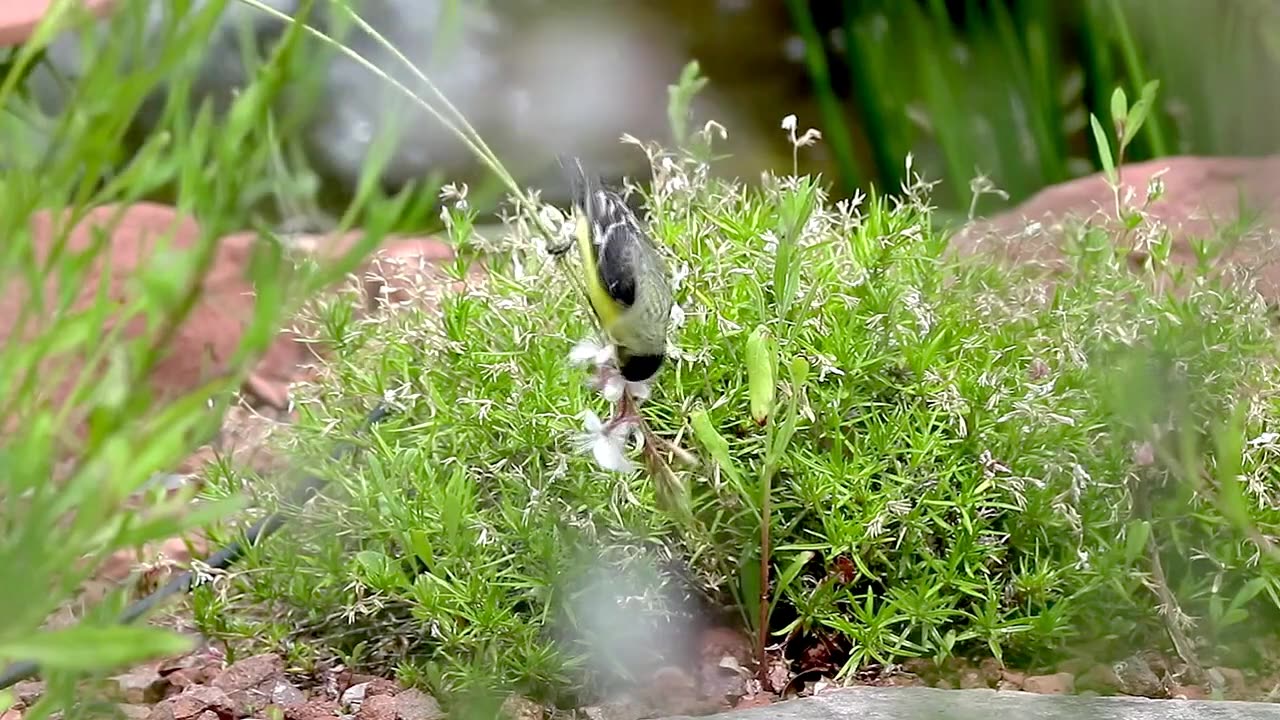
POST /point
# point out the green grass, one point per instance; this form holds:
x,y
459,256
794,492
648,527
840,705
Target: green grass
x,y
68,501
1006,91
948,457
955,467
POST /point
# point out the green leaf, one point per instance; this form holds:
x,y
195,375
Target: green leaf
x,y
680,100
1139,112
174,519
420,544
793,211
1228,456
761,361
749,584
714,443
788,576
799,371
1135,541
1119,107
81,649
1249,592
1236,615
379,570
1104,149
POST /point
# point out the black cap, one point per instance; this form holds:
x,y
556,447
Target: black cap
x,y
637,368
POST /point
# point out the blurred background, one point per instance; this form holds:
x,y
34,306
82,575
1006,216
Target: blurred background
x,y
999,88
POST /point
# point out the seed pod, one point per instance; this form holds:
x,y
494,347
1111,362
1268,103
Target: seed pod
x,y
761,361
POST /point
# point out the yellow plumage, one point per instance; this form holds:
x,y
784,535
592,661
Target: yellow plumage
x,y
628,284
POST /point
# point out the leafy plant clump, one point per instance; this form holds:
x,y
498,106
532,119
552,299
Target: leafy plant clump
x,y
958,457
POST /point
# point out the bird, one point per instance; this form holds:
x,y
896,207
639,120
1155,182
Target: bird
x,y
627,281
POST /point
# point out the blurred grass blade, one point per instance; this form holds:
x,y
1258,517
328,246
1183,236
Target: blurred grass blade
x,y
88,648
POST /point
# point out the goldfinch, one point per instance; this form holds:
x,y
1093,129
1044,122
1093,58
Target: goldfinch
x,y
628,284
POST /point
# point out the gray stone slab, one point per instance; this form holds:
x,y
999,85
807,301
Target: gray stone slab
x,y
933,704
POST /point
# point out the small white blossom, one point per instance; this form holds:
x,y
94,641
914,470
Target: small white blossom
x,y
809,137
607,442
789,123
1266,438
590,352
770,241
615,385
677,316
457,193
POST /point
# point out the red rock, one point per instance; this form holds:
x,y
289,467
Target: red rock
x,y
1199,192
315,709
992,671
193,701
1013,676
382,686
255,682
137,687
19,18
516,707
249,673
414,704
905,680
1236,684
723,654
204,344
134,712
1055,684
751,701
377,707
28,691
201,347
972,679
1188,692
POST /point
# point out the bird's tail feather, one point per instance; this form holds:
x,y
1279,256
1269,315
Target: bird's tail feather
x,y
580,183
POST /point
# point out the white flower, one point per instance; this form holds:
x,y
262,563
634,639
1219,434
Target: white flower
x,y
615,385
590,352
457,193
810,137
677,316
789,123
770,241
607,443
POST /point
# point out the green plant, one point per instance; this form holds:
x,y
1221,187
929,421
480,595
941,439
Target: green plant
x,y
1003,90
942,468
84,429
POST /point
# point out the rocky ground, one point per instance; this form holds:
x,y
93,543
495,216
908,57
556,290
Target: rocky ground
x,y
204,686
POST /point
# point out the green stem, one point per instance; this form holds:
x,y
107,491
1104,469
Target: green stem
x,y
838,134
762,623
875,101
1154,127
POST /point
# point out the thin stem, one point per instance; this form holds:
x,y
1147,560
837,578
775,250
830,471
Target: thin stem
x,y
1129,49
467,133
762,630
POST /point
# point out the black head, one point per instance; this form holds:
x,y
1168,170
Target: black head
x,y
638,368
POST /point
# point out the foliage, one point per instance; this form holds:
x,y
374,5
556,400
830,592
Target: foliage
x,y
1002,90
76,466
950,455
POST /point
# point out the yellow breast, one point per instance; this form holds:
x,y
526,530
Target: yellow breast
x,y
601,302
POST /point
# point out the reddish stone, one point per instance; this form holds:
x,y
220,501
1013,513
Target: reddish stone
x,y
1201,194
1055,684
204,344
316,709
